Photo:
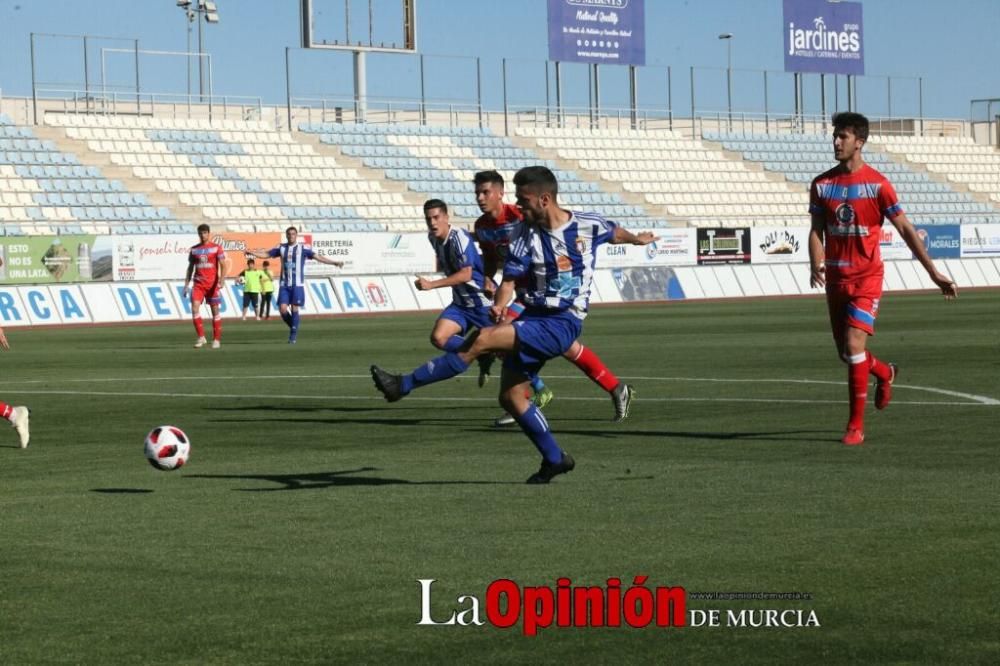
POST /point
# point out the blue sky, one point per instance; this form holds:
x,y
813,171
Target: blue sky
x,y
954,46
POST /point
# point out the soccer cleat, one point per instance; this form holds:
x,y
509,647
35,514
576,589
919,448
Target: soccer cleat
x,y
200,342
883,390
216,344
504,421
548,470
388,384
21,417
543,397
622,396
485,364
853,437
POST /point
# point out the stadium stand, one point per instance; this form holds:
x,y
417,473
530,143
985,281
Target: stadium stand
x,y
439,162
243,174
958,159
693,181
45,191
801,157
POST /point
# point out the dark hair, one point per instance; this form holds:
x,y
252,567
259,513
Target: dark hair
x,y
490,176
539,178
203,227
435,203
250,260
852,121
266,263
291,229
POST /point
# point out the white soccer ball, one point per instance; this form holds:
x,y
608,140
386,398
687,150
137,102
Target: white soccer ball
x,y
240,281
167,447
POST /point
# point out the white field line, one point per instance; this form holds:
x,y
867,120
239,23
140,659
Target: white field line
x,y
971,398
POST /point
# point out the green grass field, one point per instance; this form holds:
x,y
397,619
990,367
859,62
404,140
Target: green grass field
x,y
310,507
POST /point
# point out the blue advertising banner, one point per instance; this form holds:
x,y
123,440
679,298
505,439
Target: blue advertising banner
x,y
823,37
609,32
943,241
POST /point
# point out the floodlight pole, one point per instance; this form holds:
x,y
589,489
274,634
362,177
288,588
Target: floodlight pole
x,y
360,88
34,88
559,110
201,59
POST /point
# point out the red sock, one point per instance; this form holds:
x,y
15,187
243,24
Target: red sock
x,y
199,327
217,328
594,368
857,385
878,368
6,410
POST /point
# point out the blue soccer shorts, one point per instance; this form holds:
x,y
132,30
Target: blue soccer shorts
x,y
542,335
292,296
467,317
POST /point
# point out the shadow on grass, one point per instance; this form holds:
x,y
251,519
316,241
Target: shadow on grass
x,y
762,436
318,480
121,491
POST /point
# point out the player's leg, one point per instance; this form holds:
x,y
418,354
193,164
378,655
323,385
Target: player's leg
x,y
446,366
448,329
246,305
533,423
197,298
592,366
858,318
298,300
265,305
216,323
284,303
19,417
255,304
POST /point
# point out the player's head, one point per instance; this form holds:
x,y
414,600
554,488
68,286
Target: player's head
x,y
436,217
489,191
850,132
291,233
265,265
536,191
250,262
204,232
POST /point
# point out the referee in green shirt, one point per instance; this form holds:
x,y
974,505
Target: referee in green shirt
x,y
251,287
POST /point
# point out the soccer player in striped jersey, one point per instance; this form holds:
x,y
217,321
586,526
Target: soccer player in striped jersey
x,y
848,204
459,260
494,230
292,283
19,417
207,265
555,251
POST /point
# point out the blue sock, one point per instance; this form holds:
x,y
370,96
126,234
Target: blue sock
x,y
435,370
537,384
286,317
535,426
453,343
294,323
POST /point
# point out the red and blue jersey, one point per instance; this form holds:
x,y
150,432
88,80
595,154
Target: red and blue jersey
x,y
853,206
206,259
495,234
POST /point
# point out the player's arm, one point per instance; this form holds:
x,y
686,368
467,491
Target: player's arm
x,y
223,270
909,235
3,340
504,295
623,236
187,278
326,260
460,276
817,254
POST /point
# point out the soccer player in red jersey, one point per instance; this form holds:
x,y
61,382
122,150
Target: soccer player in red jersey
x,y
207,264
847,205
493,230
18,416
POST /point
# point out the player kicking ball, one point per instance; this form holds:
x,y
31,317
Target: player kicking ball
x,y
556,252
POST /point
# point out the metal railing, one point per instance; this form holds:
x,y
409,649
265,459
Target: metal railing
x,y
171,105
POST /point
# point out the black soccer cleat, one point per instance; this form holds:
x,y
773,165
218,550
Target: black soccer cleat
x,y
549,470
485,365
388,384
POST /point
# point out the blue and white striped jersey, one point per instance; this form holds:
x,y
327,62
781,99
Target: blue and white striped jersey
x,y
455,253
293,263
559,263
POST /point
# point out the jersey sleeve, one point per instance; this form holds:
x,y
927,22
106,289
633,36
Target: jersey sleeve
x,y
604,231
815,207
274,252
888,202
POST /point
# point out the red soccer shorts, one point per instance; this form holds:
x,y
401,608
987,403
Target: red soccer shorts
x,y
206,293
854,305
